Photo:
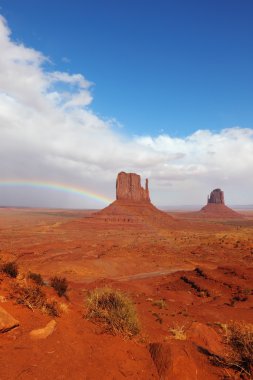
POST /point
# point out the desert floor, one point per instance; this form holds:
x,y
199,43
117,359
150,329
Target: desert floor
x,y
193,276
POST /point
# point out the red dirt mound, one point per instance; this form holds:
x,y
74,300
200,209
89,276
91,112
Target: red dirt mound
x,y
218,210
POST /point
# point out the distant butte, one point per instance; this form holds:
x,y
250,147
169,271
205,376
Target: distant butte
x,y
132,204
216,207
216,197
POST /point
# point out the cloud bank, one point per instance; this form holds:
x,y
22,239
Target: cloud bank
x,y
49,132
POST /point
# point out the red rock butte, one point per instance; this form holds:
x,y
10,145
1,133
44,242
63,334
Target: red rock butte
x,y
132,204
128,187
216,207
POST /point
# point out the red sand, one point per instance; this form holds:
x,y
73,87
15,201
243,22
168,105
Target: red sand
x,y
151,262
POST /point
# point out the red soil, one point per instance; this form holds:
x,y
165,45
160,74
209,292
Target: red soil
x,y
151,262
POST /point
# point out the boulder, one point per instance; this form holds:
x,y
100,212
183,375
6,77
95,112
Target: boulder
x,y
44,332
174,361
7,322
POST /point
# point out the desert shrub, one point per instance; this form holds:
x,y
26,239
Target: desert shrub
x,y
60,285
52,308
34,298
36,277
31,296
178,332
160,303
239,337
10,268
114,310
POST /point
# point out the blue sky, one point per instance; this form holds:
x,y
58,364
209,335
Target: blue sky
x,y
160,88
172,66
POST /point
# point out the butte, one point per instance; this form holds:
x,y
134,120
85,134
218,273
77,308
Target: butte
x,y
216,207
132,204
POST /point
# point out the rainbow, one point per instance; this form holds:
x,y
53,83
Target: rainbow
x,y
55,186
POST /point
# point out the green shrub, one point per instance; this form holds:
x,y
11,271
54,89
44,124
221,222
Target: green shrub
x,y
114,310
10,268
36,277
60,285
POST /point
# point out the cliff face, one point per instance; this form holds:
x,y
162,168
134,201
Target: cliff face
x,y
216,197
132,204
128,187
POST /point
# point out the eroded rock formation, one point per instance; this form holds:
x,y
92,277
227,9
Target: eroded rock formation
x,y
128,187
216,207
216,196
132,204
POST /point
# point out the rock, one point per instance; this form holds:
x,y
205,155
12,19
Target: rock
x,y
216,207
132,204
44,332
216,196
128,187
206,337
7,322
174,361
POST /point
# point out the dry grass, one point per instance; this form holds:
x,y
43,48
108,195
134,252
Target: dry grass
x,y
178,332
239,336
34,298
160,303
60,285
114,310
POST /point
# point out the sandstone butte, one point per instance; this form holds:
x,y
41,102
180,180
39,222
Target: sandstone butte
x,y
132,204
216,207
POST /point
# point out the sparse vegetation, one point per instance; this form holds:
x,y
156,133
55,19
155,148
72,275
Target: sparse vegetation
x,y
34,298
157,318
160,303
200,291
239,337
36,277
178,332
10,268
60,285
114,310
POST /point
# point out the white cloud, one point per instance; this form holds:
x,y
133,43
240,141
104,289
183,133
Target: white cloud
x,y
48,131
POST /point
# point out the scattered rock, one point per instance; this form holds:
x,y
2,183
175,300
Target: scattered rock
x,y
7,322
44,332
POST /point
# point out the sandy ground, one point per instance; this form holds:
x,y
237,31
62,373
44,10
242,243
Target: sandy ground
x,y
149,262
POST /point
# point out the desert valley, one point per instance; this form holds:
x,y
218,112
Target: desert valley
x,y
188,276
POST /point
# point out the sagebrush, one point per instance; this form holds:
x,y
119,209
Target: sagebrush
x,y
114,310
10,268
34,298
60,284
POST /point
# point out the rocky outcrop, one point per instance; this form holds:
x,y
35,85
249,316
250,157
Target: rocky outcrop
x,y
7,322
132,204
216,197
216,207
128,187
44,332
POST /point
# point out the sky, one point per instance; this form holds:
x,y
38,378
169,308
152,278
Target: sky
x,y
91,88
